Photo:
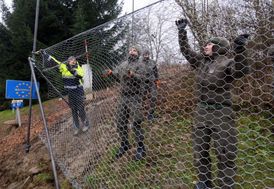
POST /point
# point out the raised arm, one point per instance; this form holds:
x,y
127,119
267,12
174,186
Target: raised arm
x,y
240,67
192,57
77,72
52,60
48,57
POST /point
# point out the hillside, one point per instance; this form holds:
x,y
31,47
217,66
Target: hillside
x,y
88,159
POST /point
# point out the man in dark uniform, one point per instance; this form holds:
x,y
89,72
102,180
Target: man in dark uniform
x,y
151,82
72,74
214,119
130,76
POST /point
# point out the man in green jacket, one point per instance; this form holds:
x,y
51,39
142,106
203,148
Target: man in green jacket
x,y
151,83
214,117
72,75
131,78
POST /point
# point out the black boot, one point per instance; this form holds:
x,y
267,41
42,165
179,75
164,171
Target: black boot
x,y
140,153
125,146
203,185
150,117
139,134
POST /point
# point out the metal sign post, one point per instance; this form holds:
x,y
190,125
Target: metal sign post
x,y
18,90
16,105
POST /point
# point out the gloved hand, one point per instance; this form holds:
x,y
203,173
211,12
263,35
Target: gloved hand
x,y
240,42
106,73
181,24
241,39
71,69
157,82
130,73
45,54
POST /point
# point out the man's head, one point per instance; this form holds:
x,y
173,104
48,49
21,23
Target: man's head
x,y
146,55
134,53
71,60
216,45
208,49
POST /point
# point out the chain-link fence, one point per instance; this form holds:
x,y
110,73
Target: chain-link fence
x,y
153,103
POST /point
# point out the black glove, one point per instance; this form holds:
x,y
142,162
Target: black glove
x,y
71,69
240,42
45,54
181,24
241,39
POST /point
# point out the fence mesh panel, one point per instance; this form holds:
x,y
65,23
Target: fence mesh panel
x,y
176,119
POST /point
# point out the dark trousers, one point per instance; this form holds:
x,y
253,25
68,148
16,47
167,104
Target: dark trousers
x,y
216,126
150,94
76,103
130,107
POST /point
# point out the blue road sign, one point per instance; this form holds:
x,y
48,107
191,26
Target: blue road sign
x,y
17,104
16,89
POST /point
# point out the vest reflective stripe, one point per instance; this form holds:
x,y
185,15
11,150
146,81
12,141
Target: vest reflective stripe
x,y
71,82
72,87
69,77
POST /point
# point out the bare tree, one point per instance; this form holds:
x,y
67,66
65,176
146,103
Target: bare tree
x,y
233,17
5,12
154,31
227,18
198,16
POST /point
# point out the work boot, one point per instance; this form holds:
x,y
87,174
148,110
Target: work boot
x,y
86,126
123,148
203,185
76,132
150,117
140,153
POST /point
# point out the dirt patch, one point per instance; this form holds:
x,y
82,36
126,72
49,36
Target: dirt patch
x,y
33,170
19,169
28,170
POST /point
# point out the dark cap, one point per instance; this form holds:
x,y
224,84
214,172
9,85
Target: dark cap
x,y
146,52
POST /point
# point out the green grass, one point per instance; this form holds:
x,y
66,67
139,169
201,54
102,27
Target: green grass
x,y
43,178
6,115
10,115
169,160
255,156
158,169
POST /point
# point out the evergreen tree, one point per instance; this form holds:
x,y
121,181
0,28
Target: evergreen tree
x,y
58,20
91,13
104,48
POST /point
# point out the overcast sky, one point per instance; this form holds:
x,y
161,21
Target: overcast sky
x,y
137,4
